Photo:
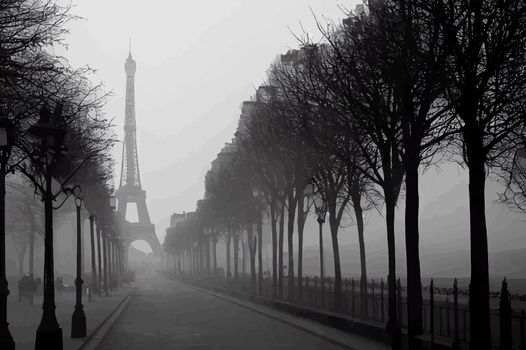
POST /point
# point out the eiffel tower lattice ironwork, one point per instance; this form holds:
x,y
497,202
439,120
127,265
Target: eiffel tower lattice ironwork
x,y
130,189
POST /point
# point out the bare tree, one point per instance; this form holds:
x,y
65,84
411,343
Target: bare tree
x,y
486,90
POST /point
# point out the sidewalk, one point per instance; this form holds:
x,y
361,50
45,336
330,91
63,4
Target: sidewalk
x,y
24,318
335,336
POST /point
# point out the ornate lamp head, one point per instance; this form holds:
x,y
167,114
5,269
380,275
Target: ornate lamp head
x,y
6,137
48,134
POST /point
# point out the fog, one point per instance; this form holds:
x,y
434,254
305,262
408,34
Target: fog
x,y
196,63
301,174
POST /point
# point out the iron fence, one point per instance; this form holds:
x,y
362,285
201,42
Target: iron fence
x,y
445,310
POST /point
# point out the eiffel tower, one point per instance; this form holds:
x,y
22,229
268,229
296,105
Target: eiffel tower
x,y
130,189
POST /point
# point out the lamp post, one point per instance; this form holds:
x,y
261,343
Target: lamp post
x,y
117,261
114,261
6,141
257,195
78,319
111,245
93,263
321,211
48,146
109,240
105,260
105,250
99,258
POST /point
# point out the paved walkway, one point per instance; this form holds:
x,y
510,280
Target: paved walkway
x,y
163,314
24,318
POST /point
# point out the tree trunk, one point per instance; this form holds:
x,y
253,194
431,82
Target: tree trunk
x,y
196,260
273,222
110,262
414,283
334,225
93,285
290,235
479,288
208,262
21,256
301,225
236,255
322,263
356,198
99,260
392,324
32,228
228,264
32,252
7,339
252,245
243,257
280,250
178,271
105,259
191,260
260,250
214,252
199,258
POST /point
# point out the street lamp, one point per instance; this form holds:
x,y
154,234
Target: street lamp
x,y
6,141
321,211
105,258
78,319
48,138
116,250
112,243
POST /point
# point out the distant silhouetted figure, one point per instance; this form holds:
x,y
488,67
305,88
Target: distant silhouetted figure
x,y
27,287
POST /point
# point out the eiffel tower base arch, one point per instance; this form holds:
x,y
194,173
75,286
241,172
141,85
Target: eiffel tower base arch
x,y
143,230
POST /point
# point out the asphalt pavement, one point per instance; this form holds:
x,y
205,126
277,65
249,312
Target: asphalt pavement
x,y
163,314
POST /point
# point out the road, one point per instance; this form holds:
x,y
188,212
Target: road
x,y
164,314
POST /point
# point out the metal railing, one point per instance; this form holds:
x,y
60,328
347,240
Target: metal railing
x,y
445,310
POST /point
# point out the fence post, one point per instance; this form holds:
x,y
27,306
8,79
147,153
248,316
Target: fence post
x,y
330,295
505,317
374,299
522,331
322,292
456,342
306,290
432,312
382,286
448,321
315,291
399,301
346,281
352,297
465,324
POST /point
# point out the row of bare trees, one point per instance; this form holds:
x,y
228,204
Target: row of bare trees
x,y
56,140
393,88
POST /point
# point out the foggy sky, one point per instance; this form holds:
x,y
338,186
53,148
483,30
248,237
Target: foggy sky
x,y
196,62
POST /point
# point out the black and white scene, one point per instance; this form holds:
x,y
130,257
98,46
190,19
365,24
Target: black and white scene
x,y
263,175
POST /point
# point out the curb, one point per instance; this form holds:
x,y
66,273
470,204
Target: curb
x,y
274,315
98,334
